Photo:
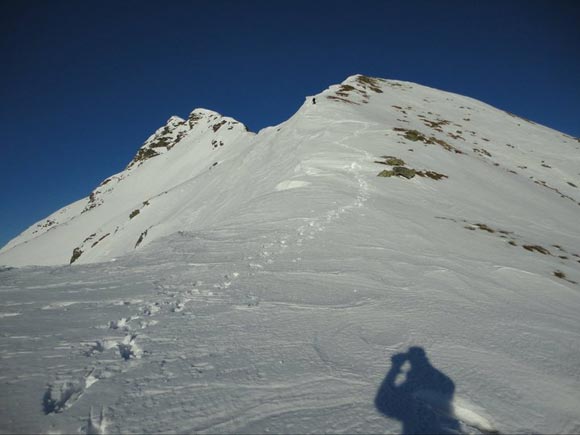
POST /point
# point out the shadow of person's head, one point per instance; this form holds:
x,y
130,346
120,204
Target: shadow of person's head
x,y
417,353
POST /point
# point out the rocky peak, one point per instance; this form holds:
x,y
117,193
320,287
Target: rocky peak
x,y
176,128
214,120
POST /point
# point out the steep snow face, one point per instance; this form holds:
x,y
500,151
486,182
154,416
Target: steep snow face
x,y
115,218
470,164
291,289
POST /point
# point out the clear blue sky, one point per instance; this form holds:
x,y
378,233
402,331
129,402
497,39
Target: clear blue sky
x,y
84,83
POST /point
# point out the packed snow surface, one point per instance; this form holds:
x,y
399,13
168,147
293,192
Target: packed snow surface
x,y
228,281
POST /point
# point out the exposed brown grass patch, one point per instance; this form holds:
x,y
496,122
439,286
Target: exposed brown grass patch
x,y
344,100
537,248
432,174
77,252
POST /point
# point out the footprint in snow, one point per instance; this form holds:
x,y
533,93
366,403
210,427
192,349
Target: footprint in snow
x,y
149,310
128,349
96,423
62,394
178,307
119,324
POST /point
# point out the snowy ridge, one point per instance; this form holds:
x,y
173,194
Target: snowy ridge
x,y
290,289
198,142
373,109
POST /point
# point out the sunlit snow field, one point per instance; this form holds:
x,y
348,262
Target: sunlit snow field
x,y
288,289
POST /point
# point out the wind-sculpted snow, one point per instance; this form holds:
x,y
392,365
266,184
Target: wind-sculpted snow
x,y
289,289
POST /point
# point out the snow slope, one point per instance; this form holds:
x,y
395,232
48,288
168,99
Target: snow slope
x,y
276,290
110,221
197,173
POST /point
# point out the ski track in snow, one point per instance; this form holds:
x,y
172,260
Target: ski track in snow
x,y
318,224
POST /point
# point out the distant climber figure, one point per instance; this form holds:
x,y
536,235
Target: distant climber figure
x,y
314,101
423,400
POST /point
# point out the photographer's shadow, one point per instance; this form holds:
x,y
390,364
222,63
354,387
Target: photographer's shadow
x,y
418,395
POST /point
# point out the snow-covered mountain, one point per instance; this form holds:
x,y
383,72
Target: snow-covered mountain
x,y
496,169
145,201
273,281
